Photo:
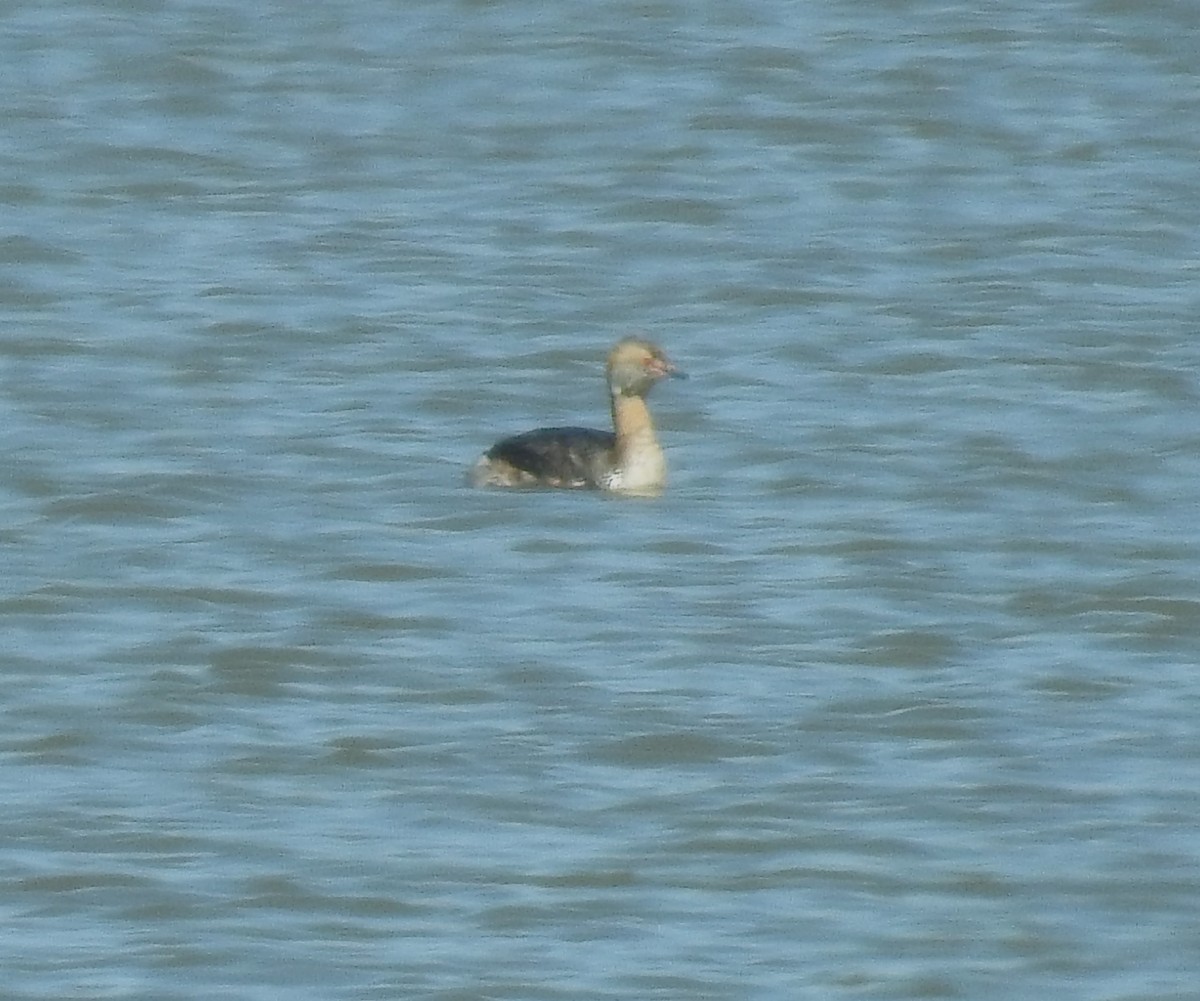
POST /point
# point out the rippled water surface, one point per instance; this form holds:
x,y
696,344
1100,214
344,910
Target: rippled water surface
x,y
893,694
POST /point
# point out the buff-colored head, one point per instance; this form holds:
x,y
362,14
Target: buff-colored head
x,y
634,366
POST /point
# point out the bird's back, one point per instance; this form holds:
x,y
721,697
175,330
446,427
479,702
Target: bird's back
x,y
563,457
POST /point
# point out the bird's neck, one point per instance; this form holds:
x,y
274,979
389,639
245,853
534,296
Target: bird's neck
x,y
638,454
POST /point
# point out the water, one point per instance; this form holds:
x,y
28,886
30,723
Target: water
x,y
891,695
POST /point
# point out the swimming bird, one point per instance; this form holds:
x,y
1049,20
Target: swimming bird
x,y
628,458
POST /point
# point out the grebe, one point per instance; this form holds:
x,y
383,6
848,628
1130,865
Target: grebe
x,y
629,459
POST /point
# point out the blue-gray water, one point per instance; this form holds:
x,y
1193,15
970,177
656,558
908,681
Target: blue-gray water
x,y
893,694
